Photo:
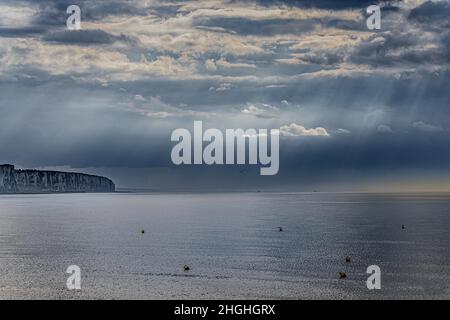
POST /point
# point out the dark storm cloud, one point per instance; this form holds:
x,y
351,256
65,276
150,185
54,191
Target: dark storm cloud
x,y
53,12
424,42
315,159
387,155
410,99
431,13
22,32
397,48
259,27
86,130
52,16
270,27
82,37
77,126
326,4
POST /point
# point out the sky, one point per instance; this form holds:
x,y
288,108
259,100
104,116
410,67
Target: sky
x,y
359,109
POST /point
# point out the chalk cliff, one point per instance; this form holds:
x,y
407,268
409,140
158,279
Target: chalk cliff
x,y
34,181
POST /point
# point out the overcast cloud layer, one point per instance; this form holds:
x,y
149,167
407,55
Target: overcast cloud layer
x,y
353,104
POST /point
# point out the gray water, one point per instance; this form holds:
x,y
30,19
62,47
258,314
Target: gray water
x,y
231,243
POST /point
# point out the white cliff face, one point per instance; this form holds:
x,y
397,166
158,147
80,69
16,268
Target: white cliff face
x,y
34,181
7,179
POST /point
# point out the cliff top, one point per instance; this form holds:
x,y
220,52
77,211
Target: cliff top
x,y
47,181
53,172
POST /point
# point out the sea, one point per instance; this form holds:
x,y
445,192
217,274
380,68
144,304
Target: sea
x,y
236,245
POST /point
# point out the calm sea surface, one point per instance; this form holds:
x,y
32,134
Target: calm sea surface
x,y
231,243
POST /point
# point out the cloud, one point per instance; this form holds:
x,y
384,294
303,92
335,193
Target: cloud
x,y
138,97
194,39
210,64
264,111
155,108
222,87
214,65
289,61
296,130
225,64
425,127
343,131
382,128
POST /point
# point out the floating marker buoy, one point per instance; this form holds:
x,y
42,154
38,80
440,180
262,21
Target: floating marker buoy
x,y
186,268
142,231
342,275
348,259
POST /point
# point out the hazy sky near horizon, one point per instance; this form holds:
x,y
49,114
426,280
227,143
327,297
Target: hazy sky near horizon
x,y
356,105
